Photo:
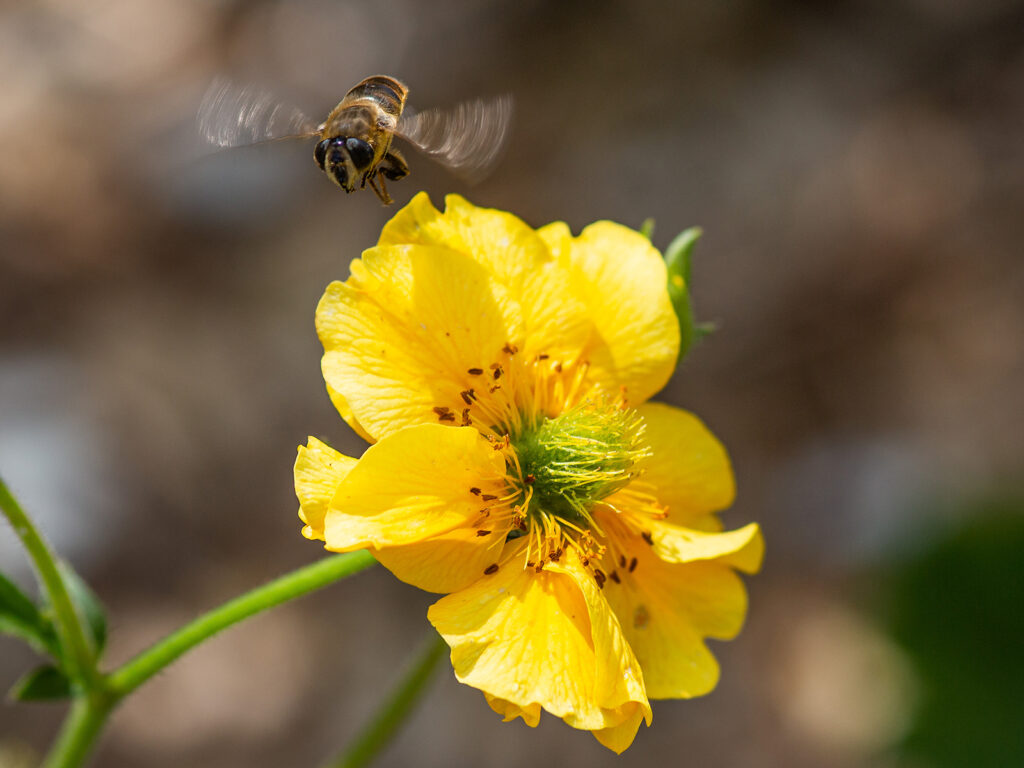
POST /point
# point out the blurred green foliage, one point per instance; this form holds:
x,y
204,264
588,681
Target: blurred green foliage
x,y
957,609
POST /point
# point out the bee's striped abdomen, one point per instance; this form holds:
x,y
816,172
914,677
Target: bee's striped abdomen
x,y
386,92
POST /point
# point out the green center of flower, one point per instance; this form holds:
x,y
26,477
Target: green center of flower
x,y
571,462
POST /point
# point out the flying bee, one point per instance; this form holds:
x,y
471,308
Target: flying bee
x,y
354,146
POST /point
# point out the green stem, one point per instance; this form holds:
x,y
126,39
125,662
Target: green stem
x,y
79,660
287,587
395,708
83,724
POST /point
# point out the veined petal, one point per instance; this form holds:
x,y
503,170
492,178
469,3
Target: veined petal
x,y
448,561
621,278
550,320
319,469
688,467
500,241
401,336
416,335
742,549
341,404
419,483
667,609
546,639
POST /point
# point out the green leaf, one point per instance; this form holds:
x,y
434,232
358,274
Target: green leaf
x,y
88,606
647,228
42,684
20,617
677,260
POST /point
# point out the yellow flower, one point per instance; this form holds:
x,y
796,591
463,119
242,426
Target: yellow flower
x,y
502,375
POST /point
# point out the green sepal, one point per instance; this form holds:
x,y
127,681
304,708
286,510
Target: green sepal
x,y
647,228
677,261
88,606
45,683
20,618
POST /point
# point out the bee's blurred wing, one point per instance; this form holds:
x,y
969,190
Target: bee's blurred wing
x,y
468,138
231,115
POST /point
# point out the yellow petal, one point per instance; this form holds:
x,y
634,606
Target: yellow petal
x,y
401,336
448,561
412,336
619,737
502,242
509,711
413,485
548,317
342,406
666,609
543,639
742,548
318,471
622,280
688,469
444,294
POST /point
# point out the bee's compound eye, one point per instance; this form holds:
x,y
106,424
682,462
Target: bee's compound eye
x,y
360,152
320,153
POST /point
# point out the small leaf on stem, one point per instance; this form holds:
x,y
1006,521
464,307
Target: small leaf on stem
x,y
20,617
42,684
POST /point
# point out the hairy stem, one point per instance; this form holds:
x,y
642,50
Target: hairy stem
x,y
78,734
295,584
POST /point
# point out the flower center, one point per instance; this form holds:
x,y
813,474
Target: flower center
x,y
569,463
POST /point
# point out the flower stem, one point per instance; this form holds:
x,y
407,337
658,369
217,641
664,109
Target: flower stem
x,y
295,584
83,724
375,736
78,658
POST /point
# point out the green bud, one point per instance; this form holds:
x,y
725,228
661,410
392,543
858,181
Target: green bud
x,y
677,260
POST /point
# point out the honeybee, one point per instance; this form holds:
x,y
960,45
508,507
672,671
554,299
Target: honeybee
x,y
355,141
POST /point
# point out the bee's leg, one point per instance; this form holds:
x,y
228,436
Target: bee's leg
x,y
381,192
393,166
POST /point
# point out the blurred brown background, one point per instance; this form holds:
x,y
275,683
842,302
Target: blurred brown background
x,y
858,170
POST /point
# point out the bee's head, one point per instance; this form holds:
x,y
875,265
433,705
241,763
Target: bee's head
x,y
344,160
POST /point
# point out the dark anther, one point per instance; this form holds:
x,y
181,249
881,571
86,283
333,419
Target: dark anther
x,y
493,568
488,497
646,536
509,349
467,396
483,533
614,575
632,565
530,478
599,577
443,413
622,561
475,491
475,371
